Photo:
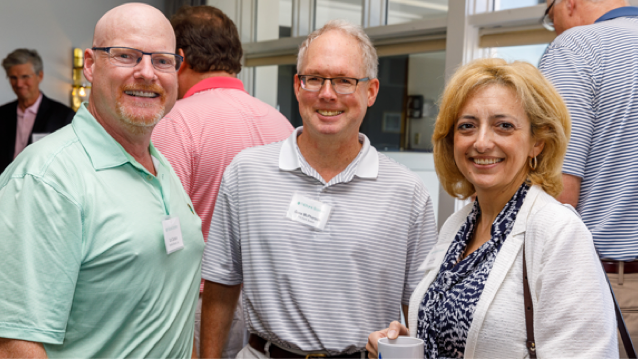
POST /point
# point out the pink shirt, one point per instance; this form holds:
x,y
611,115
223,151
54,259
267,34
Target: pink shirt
x,y
201,135
26,119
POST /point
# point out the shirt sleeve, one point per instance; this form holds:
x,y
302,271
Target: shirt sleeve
x,y
421,239
222,262
572,74
40,252
174,140
573,308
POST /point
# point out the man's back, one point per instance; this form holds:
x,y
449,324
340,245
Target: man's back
x,y
595,68
204,132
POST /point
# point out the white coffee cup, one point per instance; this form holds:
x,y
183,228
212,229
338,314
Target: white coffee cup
x,y
400,348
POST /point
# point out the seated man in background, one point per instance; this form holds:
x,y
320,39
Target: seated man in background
x,y
323,231
101,249
32,115
213,120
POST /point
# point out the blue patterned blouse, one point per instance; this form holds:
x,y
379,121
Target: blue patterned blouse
x,y
447,310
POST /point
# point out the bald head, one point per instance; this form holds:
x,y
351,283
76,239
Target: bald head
x,y
567,14
131,98
133,18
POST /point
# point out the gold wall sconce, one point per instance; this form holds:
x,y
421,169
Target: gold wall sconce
x,y
81,88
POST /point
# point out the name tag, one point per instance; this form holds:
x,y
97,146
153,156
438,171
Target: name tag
x,y
308,211
172,234
35,137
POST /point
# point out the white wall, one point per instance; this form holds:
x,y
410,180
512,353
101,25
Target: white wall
x,y
53,28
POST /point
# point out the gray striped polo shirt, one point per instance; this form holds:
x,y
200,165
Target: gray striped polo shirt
x,y
312,290
595,69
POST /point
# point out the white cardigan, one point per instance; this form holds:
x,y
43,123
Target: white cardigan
x,y
573,309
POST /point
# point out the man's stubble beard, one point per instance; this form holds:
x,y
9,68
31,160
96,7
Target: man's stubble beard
x,y
136,123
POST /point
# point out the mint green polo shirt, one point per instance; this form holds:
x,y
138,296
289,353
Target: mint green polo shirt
x,y
84,264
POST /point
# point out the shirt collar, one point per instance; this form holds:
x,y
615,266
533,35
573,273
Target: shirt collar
x,y
367,167
103,150
619,12
215,82
33,108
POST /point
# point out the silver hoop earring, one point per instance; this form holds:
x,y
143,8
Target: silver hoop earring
x,y
534,165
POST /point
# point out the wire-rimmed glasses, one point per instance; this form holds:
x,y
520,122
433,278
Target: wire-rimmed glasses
x,y
341,85
129,57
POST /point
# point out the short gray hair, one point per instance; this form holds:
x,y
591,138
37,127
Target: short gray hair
x,y
23,56
370,58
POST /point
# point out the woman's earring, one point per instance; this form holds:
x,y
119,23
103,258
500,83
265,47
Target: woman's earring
x,y
533,166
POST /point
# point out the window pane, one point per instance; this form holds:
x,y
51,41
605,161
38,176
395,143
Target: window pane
x,y
285,18
384,123
426,80
511,4
529,53
326,10
286,100
274,19
400,11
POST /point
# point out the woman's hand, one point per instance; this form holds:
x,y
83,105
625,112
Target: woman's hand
x,y
391,332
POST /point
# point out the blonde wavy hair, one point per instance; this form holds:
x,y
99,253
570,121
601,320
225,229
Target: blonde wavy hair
x,y
543,105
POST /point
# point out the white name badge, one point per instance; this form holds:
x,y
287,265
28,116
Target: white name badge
x,y
308,211
172,234
35,137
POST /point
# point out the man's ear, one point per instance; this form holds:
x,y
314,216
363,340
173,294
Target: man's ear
x,y
373,91
297,86
40,75
570,6
184,64
89,64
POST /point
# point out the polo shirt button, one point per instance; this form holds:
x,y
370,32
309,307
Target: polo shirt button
x,y
149,177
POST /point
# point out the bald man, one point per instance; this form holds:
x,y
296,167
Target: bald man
x,y
100,247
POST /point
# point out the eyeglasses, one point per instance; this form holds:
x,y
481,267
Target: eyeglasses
x,y
128,57
547,21
341,85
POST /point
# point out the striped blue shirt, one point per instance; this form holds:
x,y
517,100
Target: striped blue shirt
x,y
310,290
595,68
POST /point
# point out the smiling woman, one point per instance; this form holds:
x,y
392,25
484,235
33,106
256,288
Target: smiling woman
x,y
501,134
529,93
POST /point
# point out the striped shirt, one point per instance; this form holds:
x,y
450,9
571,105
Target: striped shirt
x,y
205,130
595,68
311,290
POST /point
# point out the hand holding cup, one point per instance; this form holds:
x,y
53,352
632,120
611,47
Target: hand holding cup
x,y
392,332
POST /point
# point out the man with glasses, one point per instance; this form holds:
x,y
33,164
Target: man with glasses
x,y
326,234
213,121
593,64
101,248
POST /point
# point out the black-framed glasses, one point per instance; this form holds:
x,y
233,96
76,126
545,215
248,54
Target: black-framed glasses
x,y
546,20
341,85
129,57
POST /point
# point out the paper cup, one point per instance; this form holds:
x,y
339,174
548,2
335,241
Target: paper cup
x,y
400,348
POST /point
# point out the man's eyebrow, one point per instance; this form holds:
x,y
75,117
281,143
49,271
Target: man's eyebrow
x,y
316,73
